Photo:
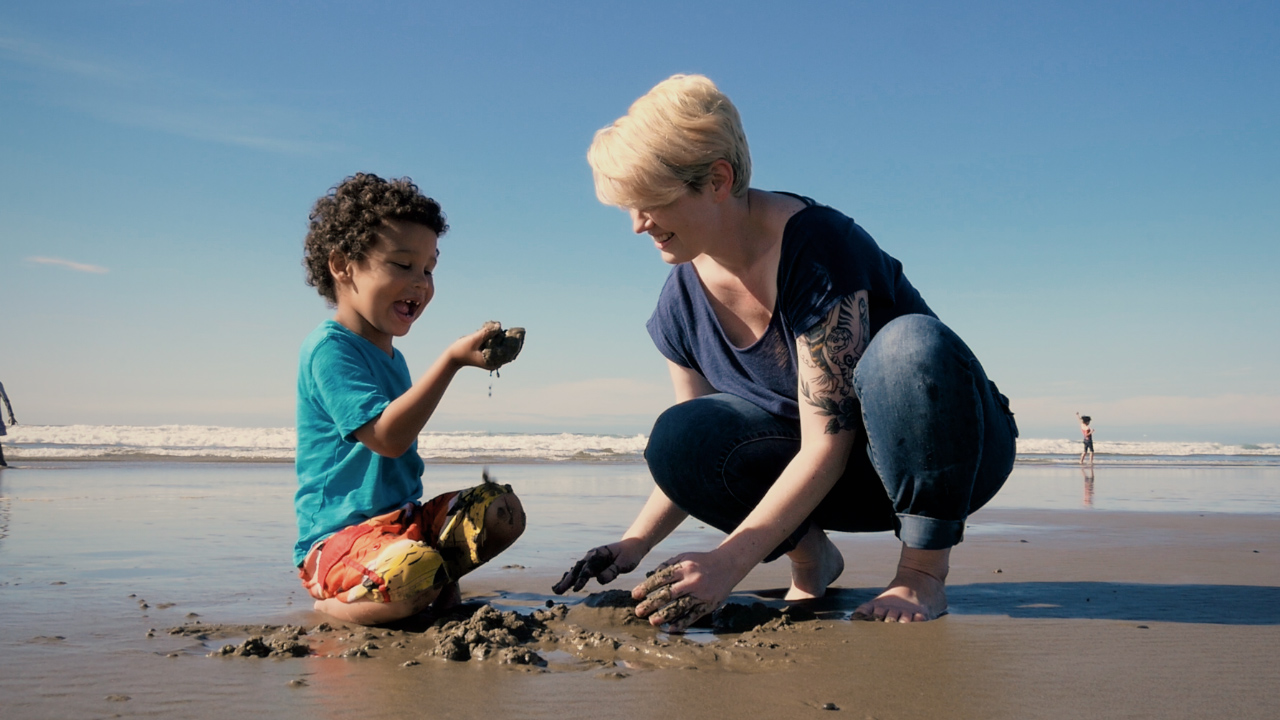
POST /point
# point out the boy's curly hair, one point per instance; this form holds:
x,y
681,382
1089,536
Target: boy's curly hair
x,y
346,219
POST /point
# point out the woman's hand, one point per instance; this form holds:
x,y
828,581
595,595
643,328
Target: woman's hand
x,y
603,563
685,588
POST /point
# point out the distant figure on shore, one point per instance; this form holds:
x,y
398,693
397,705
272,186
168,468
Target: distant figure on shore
x,y
1088,438
9,408
369,550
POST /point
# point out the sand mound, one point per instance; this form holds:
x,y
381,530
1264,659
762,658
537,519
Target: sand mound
x,y
602,631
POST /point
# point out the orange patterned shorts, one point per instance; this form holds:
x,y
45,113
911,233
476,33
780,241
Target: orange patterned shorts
x,y
403,553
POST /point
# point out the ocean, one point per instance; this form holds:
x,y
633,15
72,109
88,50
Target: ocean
x,y
204,443
111,536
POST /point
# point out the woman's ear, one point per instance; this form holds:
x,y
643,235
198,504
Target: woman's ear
x,y
721,179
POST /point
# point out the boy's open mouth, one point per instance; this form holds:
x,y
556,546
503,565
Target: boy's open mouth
x,y
406,309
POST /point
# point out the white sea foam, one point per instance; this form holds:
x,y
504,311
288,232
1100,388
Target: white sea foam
x,y
203,442
1041,446
179,442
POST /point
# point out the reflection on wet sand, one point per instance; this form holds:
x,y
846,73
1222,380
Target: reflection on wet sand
x,y
1158,614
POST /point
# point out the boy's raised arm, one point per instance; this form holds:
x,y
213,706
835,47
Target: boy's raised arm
x,y
392,433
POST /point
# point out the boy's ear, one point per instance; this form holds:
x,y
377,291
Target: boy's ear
x,y
339,266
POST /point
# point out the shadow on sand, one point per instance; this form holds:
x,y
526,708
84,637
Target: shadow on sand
x,y
1201,604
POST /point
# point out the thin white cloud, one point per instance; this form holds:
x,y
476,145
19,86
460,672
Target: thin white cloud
x,y
36,55
203,123
70,265
132,96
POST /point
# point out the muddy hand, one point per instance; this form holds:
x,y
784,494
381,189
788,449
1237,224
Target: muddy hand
x,y
501,347
662,608
601,563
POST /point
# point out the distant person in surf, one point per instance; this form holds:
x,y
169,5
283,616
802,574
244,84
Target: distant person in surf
x,y
369,550
8,408
1088,437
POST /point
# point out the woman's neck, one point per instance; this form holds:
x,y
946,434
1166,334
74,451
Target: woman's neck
x,y
744,238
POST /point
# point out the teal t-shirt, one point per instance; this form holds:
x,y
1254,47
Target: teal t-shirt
x,y
344,381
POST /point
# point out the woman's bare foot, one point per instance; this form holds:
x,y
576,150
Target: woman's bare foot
x,y
917,592
816,562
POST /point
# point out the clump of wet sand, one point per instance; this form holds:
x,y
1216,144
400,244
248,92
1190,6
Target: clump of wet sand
x,y
280,644
489,633
602,631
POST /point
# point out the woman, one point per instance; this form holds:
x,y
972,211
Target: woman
x,y
12,421
815,388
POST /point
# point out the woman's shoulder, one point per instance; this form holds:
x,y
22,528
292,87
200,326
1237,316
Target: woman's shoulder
x,y
678,289
808,220
823,233
809,210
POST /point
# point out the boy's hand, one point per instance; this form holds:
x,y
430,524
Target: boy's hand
x,y
468,350
489,347
502,348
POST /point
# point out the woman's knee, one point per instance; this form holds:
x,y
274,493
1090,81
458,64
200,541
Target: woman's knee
x,y
678,423
915,353
716,455
679,435
688,439
911,344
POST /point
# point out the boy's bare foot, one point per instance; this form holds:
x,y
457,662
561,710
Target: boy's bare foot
x,y
917,592
504,523
370,612
450,597
815,563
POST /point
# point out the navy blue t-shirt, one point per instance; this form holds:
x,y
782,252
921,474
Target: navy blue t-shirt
x,y
825,256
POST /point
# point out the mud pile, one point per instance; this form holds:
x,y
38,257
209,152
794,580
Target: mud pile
x,y
489,633
600,632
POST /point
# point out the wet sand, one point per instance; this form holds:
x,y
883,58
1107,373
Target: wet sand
x,y
121,583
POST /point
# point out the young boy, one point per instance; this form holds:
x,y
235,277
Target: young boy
x,y
1088,438
367,550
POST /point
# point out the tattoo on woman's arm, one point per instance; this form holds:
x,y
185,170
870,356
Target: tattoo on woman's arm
x,y
833,346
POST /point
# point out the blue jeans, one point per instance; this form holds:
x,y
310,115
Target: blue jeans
x,y
937,442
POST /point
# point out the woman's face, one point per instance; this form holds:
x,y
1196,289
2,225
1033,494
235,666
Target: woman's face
x,y
678,228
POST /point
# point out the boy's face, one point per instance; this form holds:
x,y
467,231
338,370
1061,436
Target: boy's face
x,y
380,296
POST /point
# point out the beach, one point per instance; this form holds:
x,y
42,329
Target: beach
x,y
1149,591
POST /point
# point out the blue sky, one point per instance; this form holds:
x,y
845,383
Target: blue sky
x,y
1086,191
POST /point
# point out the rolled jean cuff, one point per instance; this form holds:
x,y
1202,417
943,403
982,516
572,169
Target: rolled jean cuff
x,y
924,533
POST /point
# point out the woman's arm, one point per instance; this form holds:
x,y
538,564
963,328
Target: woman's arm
x,y
7,406
688,383
657,519
660,517
829,418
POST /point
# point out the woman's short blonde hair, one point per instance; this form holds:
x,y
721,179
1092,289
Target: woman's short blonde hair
x,y
666,144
